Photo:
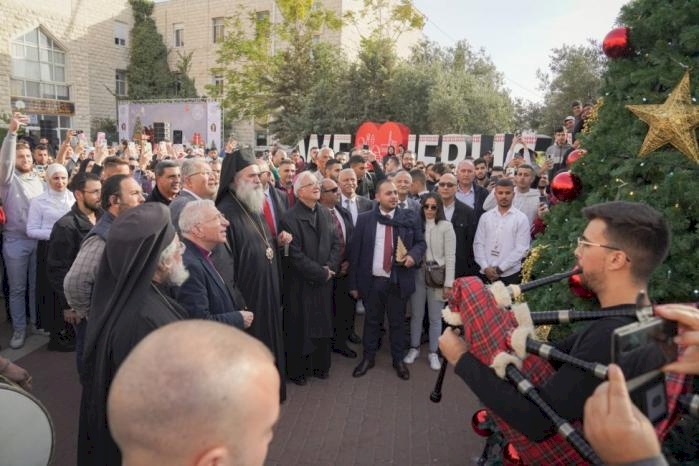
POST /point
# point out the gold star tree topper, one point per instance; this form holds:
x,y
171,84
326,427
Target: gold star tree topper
x,y
672,123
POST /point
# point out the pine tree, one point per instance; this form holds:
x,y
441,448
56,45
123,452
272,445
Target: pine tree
x,y
665,39
148,73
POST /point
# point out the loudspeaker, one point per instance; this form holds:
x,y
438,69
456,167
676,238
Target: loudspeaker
x,y
177,136
158,132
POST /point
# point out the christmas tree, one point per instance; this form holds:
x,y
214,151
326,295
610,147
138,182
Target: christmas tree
x,y
659,65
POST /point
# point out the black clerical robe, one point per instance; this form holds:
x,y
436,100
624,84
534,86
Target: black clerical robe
x,y
156,309
257,277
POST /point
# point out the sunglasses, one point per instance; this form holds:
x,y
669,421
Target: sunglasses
x,y
447,185
331,190
430,207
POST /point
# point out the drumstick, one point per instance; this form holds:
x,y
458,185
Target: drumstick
x,y
453,320
526,388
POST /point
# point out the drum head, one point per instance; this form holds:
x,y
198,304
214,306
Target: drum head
x,y
26,430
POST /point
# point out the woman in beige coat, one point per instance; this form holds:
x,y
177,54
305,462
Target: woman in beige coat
x,y
441,248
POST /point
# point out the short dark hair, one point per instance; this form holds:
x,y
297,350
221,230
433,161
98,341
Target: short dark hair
x,y
381,183
111,187
356,159
480,161
440,208
637,229
559,129
332,162
439,168
505,183
290,162
163,165
576,103
527,166
41,147
113,161
80,180
418,175
391,158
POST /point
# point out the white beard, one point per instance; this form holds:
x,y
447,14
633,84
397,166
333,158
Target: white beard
x,y
177,274
252,197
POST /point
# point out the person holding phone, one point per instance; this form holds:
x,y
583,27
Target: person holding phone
x,y
19,184
615,428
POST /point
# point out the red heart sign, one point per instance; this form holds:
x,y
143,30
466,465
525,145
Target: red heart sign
x,y
378,138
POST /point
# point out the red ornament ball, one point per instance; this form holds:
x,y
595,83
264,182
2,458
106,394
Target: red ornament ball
x,y
574,156
480,417
566,186
577,288
511,456
616,44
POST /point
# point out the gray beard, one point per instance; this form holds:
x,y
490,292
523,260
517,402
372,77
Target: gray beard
x,y
178,274
253,199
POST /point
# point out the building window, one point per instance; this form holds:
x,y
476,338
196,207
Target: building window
x,y
120,33
218,84
179,34
218,26
38,67
121,83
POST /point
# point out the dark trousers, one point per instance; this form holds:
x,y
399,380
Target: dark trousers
x,y
318,359
343,316
80,330
384,298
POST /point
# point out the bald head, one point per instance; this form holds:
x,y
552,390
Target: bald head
x,y
195,393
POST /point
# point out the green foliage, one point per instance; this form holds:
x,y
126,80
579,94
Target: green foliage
x,y
106,125
575,73
663,35
148,74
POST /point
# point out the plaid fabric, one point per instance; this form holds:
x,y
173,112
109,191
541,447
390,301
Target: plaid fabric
x,y
486,327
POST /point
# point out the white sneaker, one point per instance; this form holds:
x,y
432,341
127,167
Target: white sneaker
x,y
34,330
434,361
411,356
17,340
360,307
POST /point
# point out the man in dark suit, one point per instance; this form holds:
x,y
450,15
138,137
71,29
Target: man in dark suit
x,y
468,191
343,303
377,277
198,183
349,200
204,294
366,180
403,181
276,201
465,222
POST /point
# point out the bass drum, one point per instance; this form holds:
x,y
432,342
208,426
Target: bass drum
x,y
27,435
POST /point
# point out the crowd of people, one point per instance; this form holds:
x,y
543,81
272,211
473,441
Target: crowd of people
x,y
103,246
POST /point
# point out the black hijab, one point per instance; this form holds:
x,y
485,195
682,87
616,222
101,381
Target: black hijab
x,y
232,164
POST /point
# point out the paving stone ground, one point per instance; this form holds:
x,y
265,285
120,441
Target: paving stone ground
x,y
377,419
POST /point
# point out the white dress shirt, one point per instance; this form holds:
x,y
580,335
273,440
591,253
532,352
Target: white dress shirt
x,y
449,210
501,240
527,203
377,264
468,198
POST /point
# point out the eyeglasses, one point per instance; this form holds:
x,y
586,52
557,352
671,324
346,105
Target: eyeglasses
x,y
313,185
583,242
430,207
331,190
446,185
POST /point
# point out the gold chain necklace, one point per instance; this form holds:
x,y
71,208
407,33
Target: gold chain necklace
x,y
269,252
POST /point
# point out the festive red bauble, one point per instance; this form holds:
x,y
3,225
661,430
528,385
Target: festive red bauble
x,y
574,156
479,417
577,288
566,186
511,456
616,44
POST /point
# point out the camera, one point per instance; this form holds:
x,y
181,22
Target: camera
x,y
650,342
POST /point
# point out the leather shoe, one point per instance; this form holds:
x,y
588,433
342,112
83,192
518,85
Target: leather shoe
x,y
321,374
300,380
354,338
346,352
363,367
401,370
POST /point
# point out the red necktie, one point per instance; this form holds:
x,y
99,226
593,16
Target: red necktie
x,y
387,248
268,217
338,229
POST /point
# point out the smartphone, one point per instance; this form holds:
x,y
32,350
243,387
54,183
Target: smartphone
x,y
101,140
510,172
650,341
544,200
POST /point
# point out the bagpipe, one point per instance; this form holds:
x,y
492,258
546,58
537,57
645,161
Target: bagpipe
x,y
501,335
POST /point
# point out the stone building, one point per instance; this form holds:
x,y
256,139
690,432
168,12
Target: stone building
x,y
63,61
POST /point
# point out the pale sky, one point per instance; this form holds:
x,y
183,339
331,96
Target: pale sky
x,y
519,35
